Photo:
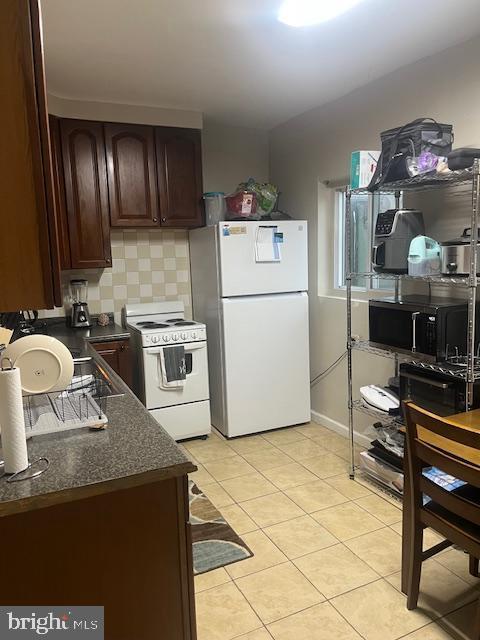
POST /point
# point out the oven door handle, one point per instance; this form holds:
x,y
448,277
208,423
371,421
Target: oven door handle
x,y
191,347
433,383
414,330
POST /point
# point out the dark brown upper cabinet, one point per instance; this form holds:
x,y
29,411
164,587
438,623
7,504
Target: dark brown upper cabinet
x,y
30,275
179,169
132,179
86,193
63,239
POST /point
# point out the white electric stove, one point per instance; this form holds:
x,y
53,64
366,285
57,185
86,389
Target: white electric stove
x,y
182,407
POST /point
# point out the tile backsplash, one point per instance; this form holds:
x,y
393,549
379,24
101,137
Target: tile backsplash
x,y
147,266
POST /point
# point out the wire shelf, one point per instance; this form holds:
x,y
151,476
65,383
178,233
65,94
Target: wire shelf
x,y
425,182
387,352
381,416
460,373
438,279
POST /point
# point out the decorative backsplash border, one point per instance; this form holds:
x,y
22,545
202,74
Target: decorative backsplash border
x,y
147,266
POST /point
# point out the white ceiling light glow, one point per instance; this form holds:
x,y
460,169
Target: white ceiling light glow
x,y
304,13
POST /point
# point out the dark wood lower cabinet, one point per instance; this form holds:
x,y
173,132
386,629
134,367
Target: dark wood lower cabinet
x,y
117,354
128,550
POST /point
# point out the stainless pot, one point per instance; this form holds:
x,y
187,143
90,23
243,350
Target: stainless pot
x,y
455,255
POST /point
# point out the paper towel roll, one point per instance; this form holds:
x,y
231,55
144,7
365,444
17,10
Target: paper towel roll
x,y
12,421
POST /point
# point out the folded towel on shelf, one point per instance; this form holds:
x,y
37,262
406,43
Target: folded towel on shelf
x,y
173,367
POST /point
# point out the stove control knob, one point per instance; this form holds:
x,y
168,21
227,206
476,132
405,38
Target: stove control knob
x,y
175,336
154,339
183,336
194,335
166,338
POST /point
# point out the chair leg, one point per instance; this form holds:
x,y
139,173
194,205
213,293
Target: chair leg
x,y
415,566
474,567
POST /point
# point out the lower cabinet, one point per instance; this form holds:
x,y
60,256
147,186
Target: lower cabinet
x,y
117,354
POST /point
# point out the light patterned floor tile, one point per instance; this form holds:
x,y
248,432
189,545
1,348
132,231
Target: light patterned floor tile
x,y
211,579
208,450
267,459
347,521
201,477
313,430
291,475
260,634
248,487
430,537
321,622
460,623
231,467
335,570
278,592
271,509
326,465
457,562
378,612
217,495
301,450
315,496
249,444
265,555
300,536
223,613
432,631
381,550
441,591
283,436
381,509
332,441
238,519
349,488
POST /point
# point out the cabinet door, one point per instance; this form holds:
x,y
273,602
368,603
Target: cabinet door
x,y
29,272
85,172
117,355
179,167
63,240
132,181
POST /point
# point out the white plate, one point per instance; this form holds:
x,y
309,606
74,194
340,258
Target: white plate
x,y
45,363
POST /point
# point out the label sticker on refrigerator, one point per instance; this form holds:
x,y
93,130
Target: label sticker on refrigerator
x,y
226,231
238,231
278,237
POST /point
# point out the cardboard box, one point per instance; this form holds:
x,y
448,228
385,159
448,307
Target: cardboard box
x,y
362,168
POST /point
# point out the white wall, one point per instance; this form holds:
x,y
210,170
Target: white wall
x,y
316,146
232,155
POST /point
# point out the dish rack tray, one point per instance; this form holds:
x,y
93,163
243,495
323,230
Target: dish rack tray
x,y
81,405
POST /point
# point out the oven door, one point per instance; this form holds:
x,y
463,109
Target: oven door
x,y
196,382
432,392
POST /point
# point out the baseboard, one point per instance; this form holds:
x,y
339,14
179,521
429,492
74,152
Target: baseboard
x,y
340,428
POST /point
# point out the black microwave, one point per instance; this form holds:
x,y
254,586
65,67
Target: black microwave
x,y
440,393
430,326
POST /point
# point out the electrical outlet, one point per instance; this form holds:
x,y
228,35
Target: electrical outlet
x,y
355,337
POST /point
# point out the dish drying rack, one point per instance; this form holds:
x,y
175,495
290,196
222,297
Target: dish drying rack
x,y
81,405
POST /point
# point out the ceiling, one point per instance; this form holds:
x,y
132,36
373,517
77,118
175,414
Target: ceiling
x,y
231,59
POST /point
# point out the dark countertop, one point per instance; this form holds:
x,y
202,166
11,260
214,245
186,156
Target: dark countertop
x,y
133,450
76,339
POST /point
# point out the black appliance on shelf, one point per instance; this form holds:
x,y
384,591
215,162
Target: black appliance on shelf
x,y
430,326
440,393
394,231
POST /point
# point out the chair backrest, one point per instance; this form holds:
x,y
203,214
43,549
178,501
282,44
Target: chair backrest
x,y
439,442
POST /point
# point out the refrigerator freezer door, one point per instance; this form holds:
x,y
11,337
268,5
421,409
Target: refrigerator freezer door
x,y
266,363
262,257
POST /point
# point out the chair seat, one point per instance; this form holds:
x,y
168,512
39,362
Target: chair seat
x,y
468,492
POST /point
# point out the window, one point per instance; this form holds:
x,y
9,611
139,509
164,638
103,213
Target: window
x,y
362,231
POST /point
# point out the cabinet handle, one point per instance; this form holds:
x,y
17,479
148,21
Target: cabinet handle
x,y
155,219
122,348
108,261
164,219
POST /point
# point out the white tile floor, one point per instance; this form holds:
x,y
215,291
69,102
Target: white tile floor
x,y
327,550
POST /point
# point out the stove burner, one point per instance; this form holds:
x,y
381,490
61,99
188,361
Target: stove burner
x,y
158,325
145,323
184,323
174,320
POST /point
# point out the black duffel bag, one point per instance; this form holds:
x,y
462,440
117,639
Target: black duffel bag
x,y
422,134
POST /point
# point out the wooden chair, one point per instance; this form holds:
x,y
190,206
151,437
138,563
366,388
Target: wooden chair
x,y
434,441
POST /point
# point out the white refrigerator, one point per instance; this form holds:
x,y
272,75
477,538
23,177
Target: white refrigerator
x,y
249,286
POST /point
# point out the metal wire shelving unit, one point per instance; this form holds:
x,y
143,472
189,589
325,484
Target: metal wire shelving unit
x,y
469,178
